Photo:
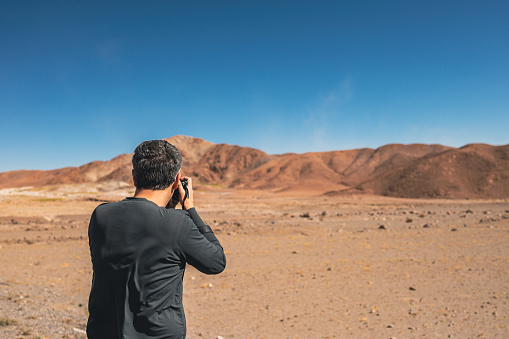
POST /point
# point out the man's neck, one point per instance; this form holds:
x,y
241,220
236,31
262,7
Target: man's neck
x,y
159,197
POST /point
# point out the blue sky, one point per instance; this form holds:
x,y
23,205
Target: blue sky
x,y
88,80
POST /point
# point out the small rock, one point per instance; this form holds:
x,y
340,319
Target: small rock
x,y
382,227
77,330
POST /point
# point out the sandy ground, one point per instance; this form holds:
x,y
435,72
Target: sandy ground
x,y
297,266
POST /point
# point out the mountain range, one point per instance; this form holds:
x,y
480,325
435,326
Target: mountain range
x,y
397,170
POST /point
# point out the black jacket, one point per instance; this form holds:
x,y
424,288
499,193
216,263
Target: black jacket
x,y
139,253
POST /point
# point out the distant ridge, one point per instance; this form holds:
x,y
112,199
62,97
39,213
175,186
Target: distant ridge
x,y
410,171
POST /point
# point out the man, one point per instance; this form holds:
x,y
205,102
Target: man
x,y
139,248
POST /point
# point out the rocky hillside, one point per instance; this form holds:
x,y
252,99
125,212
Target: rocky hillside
x,y
416,170
472,171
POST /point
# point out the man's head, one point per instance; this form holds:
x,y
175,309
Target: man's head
x,y
156,164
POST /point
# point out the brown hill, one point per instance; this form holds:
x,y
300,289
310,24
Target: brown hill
x,y
225,163
472,171
338,170
192,149
91,172
416,170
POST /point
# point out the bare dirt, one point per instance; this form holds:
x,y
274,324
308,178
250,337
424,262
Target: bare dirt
x,y
298,265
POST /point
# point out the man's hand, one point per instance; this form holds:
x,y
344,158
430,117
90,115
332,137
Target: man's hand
x,y
189,201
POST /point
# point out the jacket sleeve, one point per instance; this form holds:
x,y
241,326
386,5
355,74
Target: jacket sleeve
x,y
200,246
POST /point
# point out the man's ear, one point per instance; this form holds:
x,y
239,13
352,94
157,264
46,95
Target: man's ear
x,y
134,179
175,184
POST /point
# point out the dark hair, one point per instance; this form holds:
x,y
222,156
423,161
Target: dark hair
x,y
156,164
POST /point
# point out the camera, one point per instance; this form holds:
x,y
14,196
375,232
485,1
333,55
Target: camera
x,y
175,196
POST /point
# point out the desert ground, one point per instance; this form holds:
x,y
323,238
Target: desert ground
x,y
299,265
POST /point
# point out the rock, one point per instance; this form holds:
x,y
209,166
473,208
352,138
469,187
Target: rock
x,y
382,227
77,330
